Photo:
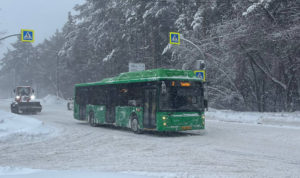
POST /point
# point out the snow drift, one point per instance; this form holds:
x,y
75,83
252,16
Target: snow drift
x,y
13,126
268,118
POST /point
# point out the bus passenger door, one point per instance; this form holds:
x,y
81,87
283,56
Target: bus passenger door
x,y
82,112
82,102
111,105
150,108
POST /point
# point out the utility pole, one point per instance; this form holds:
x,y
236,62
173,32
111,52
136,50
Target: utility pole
x,y
202,54
9,36
57,76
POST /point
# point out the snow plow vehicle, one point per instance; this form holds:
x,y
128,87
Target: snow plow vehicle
x,y
24,96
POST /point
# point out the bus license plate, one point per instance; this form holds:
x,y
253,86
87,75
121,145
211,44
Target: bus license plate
x,y
186,127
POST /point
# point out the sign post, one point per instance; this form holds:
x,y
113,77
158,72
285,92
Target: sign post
x,y
27,35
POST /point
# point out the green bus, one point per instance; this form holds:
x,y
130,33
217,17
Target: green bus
x,y
157,100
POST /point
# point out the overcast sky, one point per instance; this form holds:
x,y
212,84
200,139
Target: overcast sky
x,y
43,16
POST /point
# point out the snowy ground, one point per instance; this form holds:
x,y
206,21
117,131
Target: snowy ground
x,y
234,144
37,173
20,128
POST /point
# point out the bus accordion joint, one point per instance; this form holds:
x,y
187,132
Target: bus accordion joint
x,y
185,84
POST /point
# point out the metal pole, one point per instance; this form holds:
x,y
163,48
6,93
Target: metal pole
x,y
9,36
57,76
194,45
205,86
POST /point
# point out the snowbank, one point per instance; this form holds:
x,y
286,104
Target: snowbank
x,y
19,126
5,171
281,118
51,99
37,173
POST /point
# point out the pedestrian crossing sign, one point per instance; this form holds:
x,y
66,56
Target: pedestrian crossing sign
x,y
200,74
27,35
174,38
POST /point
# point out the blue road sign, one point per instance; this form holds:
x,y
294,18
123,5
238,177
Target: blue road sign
x,y
27,35
200,74
174,38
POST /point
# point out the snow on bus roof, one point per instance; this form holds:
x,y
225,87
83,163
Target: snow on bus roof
x,y
146,76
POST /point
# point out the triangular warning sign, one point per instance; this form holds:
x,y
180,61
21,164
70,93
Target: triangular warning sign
x,y
27,36
174,39
200,75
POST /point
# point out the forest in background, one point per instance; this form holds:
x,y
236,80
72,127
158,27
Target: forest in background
x,y
251,49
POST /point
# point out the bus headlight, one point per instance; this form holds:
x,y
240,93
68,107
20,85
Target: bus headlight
x,y
18,97
165,124
32,97
164,117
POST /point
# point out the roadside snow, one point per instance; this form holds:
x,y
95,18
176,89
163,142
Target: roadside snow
x,y
13,126
268,118
37,173
4,171
51,99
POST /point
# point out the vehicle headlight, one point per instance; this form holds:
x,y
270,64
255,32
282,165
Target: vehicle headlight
x,y
164,117
203,116
32,97
18,97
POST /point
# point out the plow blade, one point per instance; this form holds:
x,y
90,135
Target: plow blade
x,y
27,107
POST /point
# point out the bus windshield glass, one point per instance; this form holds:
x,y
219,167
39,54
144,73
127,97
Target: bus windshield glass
x,y
178,98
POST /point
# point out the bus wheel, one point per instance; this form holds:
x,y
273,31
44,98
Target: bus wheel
x,y
135,125
92,119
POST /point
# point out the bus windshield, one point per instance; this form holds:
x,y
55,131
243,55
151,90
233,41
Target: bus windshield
x,y
181,99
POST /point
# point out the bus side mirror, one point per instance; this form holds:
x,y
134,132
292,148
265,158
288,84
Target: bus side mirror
x,y
206,104
14,90
32,90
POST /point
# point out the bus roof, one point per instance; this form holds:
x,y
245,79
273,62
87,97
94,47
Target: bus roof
x,y
147,76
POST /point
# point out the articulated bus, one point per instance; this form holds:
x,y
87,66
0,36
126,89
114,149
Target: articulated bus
x,y
156,100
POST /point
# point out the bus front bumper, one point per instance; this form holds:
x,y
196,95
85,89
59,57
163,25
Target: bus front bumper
x,y
180,121
180,128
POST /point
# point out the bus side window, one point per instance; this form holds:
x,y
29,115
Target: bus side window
x,y
101,95
123,96
132,102
139,102
135,93
77,93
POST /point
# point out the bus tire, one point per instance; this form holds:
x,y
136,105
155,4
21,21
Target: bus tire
x,y
134,124
92,119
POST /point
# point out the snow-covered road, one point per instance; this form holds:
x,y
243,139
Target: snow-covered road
x,y
225,149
